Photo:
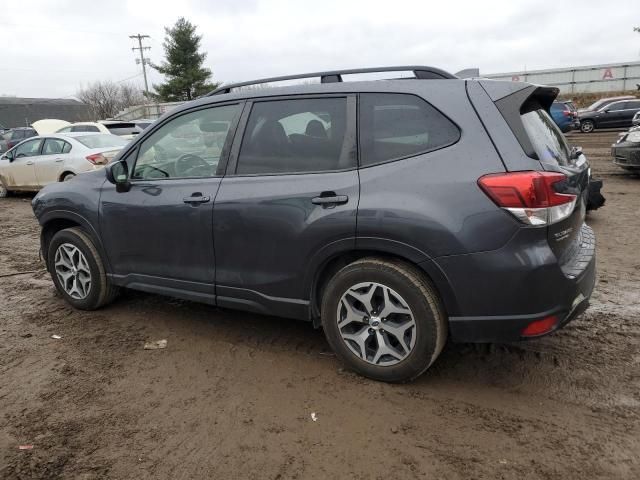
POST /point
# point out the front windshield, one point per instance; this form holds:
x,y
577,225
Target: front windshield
x,y
102,140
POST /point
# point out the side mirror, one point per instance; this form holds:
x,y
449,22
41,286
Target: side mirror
x,y
8,156
118,174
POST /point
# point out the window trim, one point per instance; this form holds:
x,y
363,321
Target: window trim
x,y
349,134
405,157
224,153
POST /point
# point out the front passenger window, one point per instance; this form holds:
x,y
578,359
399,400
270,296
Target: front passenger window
x,y
28,148
186,147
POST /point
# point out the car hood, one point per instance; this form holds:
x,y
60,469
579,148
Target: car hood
x,y
49,125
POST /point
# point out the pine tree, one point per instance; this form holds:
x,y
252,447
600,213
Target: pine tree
x,y
186,78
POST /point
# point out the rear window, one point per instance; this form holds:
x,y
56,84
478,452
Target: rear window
x,y
123,128
395,126
85,128
102,140
546,138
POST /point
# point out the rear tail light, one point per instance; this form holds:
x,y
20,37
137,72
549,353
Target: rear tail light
x,y
97,159
540,327
566,113
530,196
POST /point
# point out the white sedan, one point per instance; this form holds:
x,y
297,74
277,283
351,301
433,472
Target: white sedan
x,y
38,161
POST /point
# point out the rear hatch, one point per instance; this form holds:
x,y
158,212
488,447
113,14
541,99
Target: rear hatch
x,y
552,177
555,155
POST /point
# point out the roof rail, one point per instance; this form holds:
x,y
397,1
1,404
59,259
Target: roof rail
x,y
333,76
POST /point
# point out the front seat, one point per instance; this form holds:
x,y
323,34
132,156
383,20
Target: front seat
x,y
316,129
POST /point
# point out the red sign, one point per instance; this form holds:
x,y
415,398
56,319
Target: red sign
x,y
607,74
515,78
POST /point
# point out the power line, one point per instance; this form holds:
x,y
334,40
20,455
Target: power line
x,y
143,60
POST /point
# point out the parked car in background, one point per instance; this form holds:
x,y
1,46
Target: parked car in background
x,y
565,115
422,234
614,115
41,160
603,102
114,127
626,151
10,139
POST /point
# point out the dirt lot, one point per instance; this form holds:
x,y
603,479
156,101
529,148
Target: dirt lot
x,y
232,394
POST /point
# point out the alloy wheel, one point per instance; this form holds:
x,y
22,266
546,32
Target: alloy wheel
x,y
587,127
72,269
376,324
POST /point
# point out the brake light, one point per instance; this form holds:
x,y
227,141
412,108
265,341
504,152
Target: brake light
x,y
97,159
530,196
540,327
566,113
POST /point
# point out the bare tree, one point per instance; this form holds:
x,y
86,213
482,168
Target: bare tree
x,y
107,98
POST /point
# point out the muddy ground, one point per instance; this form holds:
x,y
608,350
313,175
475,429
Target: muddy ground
x,y
231,397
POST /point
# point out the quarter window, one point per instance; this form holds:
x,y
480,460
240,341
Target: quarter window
x,y
187,146
394,126
295,136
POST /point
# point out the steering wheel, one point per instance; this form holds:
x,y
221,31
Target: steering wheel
x,y
187,162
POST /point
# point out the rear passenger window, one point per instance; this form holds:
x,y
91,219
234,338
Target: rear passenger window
x,y
394,126
294,136
53,146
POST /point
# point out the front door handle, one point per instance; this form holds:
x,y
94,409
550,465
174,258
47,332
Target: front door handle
x,y
331,199
30,162
196,199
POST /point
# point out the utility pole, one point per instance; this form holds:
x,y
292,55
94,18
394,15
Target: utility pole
x,y
143,61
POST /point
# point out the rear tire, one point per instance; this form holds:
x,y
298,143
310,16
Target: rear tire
x,y
67,176
587,126
78,271
392,318
4,193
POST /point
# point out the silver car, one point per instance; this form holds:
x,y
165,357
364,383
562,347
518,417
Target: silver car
x,y
45,159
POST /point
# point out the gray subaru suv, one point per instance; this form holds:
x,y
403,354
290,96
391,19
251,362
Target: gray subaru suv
x,y
394,214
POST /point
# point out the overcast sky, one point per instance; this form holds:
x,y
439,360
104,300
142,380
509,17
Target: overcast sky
x,y
51,48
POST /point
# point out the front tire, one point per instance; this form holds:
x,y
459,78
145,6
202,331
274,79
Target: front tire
x,y
587,126
78,271
383,319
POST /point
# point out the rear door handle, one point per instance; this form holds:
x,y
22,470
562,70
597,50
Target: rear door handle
x,y
330,200
30,162
58,160
196,199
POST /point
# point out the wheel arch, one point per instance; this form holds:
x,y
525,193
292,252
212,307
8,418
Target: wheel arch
x,y
53,222
330,265
65,173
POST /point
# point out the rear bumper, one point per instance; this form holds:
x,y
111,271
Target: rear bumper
x,y
516,283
